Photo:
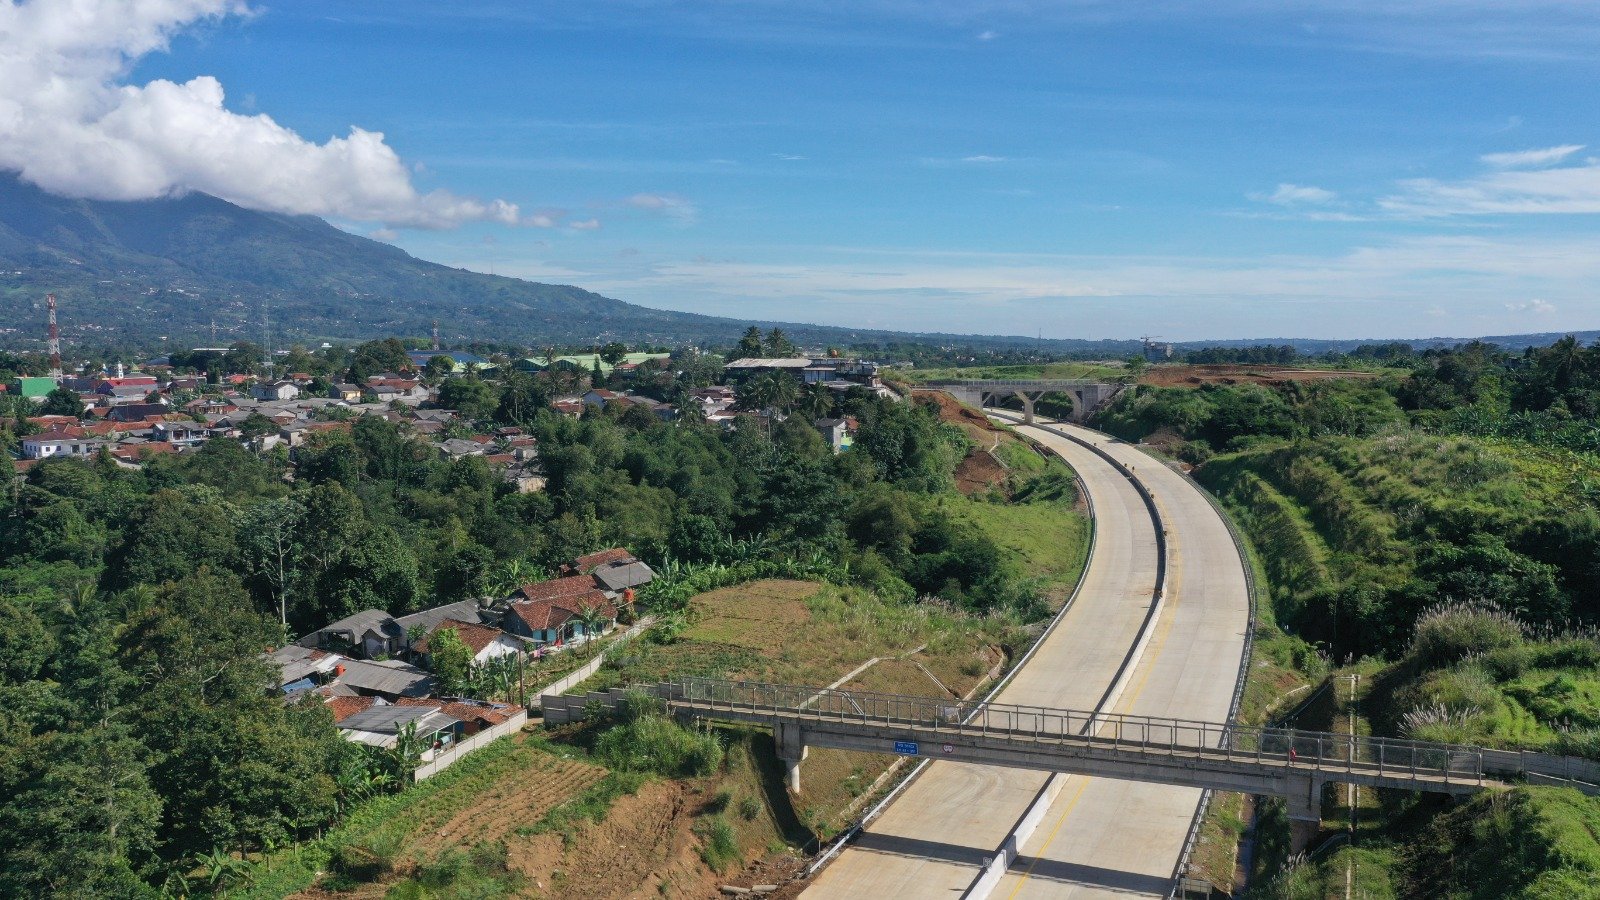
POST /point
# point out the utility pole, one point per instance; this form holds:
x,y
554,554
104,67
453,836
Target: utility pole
x,y
54,343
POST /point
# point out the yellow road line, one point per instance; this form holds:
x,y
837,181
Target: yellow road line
x,y
1163,630
1082,784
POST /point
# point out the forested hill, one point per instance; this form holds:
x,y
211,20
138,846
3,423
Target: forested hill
x,y
131,272
173,266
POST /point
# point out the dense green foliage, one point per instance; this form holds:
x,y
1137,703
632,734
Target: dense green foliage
x,y
1442,518
143,740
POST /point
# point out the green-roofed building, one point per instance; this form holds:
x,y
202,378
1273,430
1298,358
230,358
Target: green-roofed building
x,y
34,388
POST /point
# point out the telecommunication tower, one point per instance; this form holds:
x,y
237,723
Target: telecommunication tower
x,y
55,339
436,335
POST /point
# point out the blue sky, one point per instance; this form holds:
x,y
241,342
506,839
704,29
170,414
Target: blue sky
x,y
1191,170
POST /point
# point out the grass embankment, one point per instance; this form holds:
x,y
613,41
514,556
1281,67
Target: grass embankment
x,y
795,632
1362,540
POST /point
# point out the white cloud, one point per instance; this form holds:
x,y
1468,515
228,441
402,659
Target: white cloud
x,y
988,35
788,157
584,224
69,124
1532,306
669,205
983,158
1295,195
1567,189
1414,287
1525,159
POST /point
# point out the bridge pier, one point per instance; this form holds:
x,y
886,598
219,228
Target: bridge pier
x,y
1304,811
1028,398
791,742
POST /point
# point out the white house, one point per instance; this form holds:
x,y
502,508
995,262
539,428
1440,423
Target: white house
x,y
275,390
58,443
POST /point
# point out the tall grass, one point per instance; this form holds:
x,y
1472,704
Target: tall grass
x,y
1449,632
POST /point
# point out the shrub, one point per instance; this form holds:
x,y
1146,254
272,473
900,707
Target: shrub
x,y
749,809
1449,632
720,849
655,743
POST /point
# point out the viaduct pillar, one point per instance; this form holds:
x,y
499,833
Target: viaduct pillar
x,y
791,743
1305,811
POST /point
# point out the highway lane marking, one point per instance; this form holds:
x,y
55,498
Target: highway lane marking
x,y
1147,664
1083,784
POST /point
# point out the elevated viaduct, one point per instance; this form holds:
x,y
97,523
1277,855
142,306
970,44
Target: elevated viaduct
x,y
1087,396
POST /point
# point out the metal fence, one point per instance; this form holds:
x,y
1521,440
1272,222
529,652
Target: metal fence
x,y
1320,751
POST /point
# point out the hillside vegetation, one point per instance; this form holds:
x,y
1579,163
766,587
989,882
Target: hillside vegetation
x,y
1439,524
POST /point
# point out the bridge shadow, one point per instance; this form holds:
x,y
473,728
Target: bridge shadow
x,y
1076,874
916,848
1083,875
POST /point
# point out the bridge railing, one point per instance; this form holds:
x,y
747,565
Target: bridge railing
x,y
1322,751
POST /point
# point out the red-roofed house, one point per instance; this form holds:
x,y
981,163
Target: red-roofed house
x,y
486,643
552,620
476,714
571,586
585,565
345,707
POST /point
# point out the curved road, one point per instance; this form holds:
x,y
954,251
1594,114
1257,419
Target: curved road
x,y
1100,837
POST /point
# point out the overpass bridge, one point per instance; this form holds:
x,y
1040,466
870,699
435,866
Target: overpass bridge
x,y
1287,763
1087,396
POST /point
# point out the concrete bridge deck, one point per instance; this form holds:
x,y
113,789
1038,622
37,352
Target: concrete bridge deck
x,y
1220,756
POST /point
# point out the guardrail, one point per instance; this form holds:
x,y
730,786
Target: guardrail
x,y
1253,594
1332,754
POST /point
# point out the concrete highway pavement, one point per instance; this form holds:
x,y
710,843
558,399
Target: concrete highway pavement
x,y
932,840
1100,837
1103,837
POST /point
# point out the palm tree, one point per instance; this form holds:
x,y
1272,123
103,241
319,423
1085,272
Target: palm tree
x,y
593,620
816,401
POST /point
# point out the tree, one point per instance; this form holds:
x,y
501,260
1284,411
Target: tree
x,y
614,352
26,646
451,660
62,402
750,345
438,368
779,345
177,532
768,390
79,811
471,397
521,400
255,425
816,402
269,551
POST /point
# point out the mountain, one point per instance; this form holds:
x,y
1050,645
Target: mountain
x,y
175,266
199,269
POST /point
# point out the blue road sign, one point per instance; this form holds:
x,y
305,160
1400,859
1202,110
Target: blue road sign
x,y
905,748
